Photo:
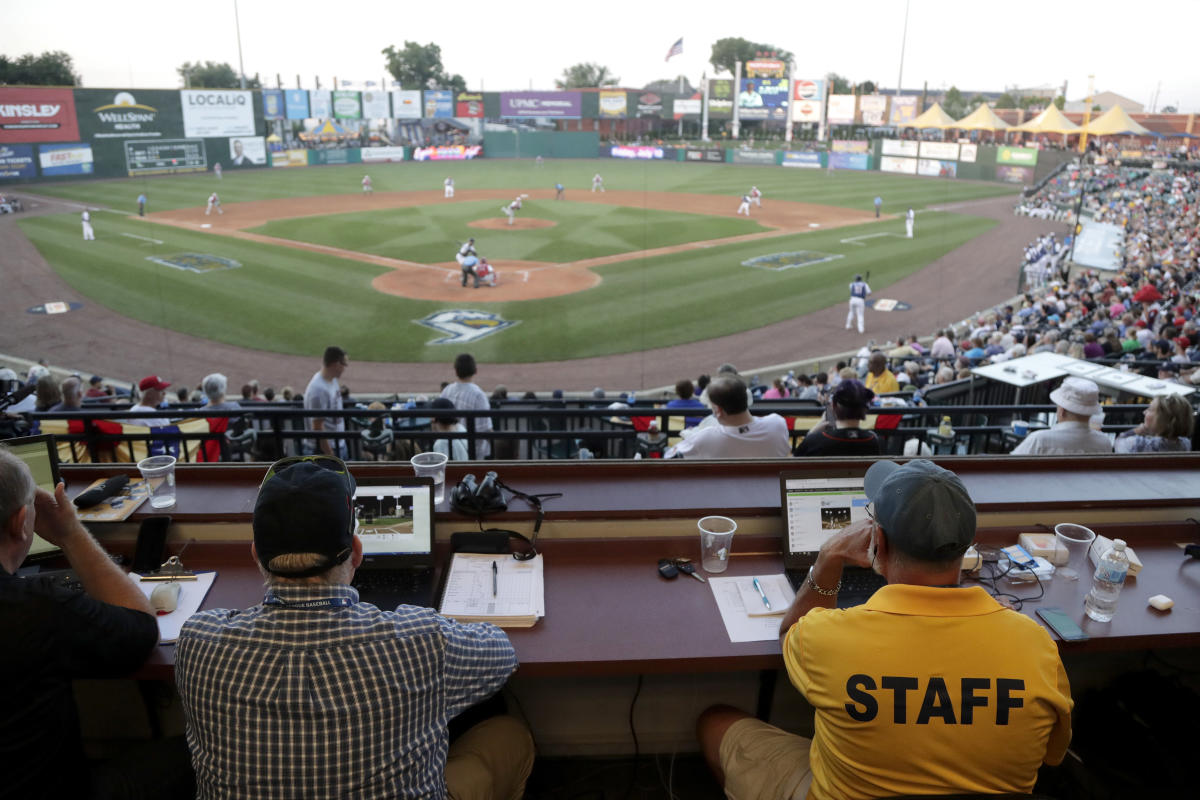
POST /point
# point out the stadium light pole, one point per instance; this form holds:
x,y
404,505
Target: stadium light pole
x,y
903,41
237,26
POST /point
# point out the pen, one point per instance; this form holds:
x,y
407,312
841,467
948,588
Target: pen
x,y
762,594
495,570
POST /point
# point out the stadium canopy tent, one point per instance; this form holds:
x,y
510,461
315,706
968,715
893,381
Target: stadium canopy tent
x,y
329,130
982,119
934,117
1049,121
1115,121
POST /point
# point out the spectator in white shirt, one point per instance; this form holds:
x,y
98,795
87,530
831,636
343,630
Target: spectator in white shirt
x,y
737,433
467,396
1078,400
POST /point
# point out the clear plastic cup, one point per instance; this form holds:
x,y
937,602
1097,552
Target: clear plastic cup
x,y
432,465
1076,540
716,540
159,472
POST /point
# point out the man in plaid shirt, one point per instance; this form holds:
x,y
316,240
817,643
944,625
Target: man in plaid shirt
x,y
313,694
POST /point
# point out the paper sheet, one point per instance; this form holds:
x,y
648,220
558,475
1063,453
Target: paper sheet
x,y
520,588
739,624
191,595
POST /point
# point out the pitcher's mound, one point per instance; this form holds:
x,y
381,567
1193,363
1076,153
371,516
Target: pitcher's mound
x,y
519,224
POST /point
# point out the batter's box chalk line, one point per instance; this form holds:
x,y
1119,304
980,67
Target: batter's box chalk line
x,y
777,262
857,240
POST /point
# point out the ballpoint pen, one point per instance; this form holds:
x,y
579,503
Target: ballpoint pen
x,y
495,571
762,594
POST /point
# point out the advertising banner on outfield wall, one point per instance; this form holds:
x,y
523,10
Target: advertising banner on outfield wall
x,y
121,114
761,157
841,109
968,152
720,98
321,104
945,151
849,160
935,168
904,109
406,104
809,97
849,146
66,159
1010,174
468,105
290,158
1025,156
371,155
900,147
347,104
217,112
682,107
16,161
763,98
456,152
439,103
37,115
295,103
710,154
375,105
272,104
565,105
646,152
342,155
905,166
246,151
873,108
612,104
802,160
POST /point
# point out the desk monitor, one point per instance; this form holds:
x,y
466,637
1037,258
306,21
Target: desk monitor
x,y
816,508
395,519
40,454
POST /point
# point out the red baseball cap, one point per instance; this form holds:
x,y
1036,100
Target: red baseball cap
x,y
152,382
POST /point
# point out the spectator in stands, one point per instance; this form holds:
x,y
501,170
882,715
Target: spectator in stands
x,y
842,436
72,399
324,393
453,449
214,387
287,394
1167,427
823,387
182,394
153,391
942,348
736,433
880,379
467,396
776,392
1091,347
247,393
684,398
363,696
1078,400
865,670
807,389
975,354
48,394
95,388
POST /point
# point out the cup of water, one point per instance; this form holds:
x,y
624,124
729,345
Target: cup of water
x,y
1020,427
159,474
432,465
716,540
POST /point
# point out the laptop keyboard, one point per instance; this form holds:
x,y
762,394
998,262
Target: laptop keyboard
x,y
857,585
390,581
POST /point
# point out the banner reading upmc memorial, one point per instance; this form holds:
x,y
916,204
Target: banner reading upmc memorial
x,y
37,115
217,112
540,104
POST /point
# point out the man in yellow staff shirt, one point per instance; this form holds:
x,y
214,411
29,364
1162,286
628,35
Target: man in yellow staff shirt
x,y
880,379
927,688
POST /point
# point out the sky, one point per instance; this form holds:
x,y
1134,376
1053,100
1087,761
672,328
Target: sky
x,y
522,44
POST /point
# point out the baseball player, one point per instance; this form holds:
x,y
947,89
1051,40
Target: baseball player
x,y
141,201
485,273
511,209
217,170
368,186
909,220
858,301
213,202
89,235
878,205
559,191
537,162
449,187
468,268
756,196
468,249
744,208
597,183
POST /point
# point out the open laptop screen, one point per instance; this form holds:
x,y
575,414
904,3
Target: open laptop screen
x,y
395,520
816,508
40,455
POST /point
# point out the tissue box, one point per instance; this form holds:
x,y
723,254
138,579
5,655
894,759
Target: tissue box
x,y
1045,545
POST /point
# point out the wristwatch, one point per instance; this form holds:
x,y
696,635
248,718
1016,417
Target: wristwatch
x,y
825,592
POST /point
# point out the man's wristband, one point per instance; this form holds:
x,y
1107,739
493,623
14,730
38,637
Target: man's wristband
x,y
824,592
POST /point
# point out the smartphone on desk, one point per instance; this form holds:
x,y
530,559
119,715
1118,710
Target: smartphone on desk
x,y
1062,624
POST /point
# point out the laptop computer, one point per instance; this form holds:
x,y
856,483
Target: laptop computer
x,y
395,523
40,454
814,509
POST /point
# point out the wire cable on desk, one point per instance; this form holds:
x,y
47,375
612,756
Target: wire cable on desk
x,y
633,732
988,556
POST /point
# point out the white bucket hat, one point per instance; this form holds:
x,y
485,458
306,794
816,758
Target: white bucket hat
x,y
1079,396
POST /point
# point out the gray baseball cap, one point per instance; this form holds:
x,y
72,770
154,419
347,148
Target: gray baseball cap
x,y
924,509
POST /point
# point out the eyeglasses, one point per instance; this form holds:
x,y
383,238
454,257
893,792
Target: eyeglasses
x,y
331,463
870,509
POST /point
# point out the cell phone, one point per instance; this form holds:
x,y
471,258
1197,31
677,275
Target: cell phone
x,y
150,552
1059,622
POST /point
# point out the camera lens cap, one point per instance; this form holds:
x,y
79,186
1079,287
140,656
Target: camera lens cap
x,y
667,568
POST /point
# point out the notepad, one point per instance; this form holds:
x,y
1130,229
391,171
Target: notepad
x,y
518,599
777,591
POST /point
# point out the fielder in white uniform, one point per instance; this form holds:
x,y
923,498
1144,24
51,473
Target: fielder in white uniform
x,y
449,184
213,202
597,183
217,170
89,235
511,209
368,187
744,208
756,196
909,219
858,301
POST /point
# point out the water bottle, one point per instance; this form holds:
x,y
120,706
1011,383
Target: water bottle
x,y
1101,601
945,429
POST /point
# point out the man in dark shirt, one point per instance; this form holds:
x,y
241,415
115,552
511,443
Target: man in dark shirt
x,y
50,635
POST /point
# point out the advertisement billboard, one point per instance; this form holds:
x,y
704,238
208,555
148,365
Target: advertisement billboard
x,y
849,146
217,112
347,104
290,158
1024,156
468,105
841,109
761,157
802,160
808,97
935,168
66,159
904,109
945,151
685,106
37,115
108,114
873,108
456,152
375,105
763,98
612,104
272,104
321,102
968,152
565,105
649,104
765,68
905,166
899,147
247,151
720,98
165,157
711,154
16,162
636,151
371,155
849,160
439,103
1010,174
406,104
342,155
295,103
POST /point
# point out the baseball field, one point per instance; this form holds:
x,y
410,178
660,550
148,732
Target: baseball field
x,y
659,259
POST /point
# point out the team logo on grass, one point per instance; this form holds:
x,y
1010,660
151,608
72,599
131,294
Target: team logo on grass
x,y
195,262
777,262
464,325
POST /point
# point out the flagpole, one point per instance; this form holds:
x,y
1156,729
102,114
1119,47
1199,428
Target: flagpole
x,y
787,136
681,115
737,87
704,107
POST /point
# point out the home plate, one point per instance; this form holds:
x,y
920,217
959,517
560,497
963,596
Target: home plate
x,y
814,224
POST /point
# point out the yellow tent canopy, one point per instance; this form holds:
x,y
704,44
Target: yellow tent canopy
x,y
1049,121
982,119
1115,120
934,117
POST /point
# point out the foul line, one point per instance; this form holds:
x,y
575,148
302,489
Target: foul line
x,y
143,238
854,240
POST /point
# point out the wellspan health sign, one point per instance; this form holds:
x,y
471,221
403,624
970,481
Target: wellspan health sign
x,y
567,105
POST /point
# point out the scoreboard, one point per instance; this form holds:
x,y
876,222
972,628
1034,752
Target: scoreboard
x,y
165,156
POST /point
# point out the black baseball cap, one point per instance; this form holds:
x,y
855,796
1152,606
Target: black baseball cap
x,y
305,505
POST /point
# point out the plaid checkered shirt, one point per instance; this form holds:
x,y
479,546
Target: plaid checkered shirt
x,y
336,699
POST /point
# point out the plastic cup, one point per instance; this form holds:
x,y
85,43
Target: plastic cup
x,y
1076,540
1020,427
432,465
716,539
159,473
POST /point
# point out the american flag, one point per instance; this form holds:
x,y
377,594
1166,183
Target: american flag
x,y
676,49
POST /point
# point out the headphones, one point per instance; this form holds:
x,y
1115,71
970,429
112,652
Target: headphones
x,y
491,496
